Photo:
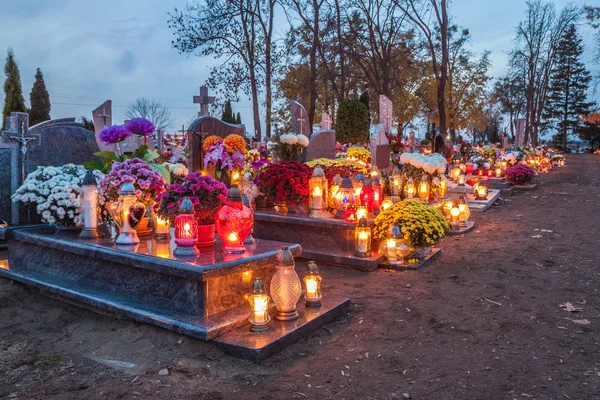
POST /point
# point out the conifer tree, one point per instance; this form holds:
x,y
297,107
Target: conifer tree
x,y
238,119
228,113
40,100
13,93
569,82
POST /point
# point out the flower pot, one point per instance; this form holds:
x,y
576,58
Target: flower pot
x,y
262,202
206,235
281,208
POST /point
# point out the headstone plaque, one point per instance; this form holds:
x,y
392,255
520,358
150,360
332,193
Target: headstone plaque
x,y
300,122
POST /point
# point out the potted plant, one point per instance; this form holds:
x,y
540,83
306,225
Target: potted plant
x,y
289,147
519,174
54,194
147,182
285,184
422,226
223,156
207,195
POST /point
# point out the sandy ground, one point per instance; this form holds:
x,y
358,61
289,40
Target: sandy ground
x,y
481,322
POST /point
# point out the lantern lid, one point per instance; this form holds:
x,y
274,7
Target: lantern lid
x,y
423,178
360,178
337,180
376,181
284,257
318,173
127,189
395,232
186,207
89,179
258,287
346,183
234,194
409,180
363,223
312,269
368,183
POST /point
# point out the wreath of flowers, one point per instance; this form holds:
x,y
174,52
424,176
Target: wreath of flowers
x,y
421,224
285,181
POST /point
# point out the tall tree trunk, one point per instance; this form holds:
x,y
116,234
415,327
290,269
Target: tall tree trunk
x,y
313,65
268,89
443,69
342,92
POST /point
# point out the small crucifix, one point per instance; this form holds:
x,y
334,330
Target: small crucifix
x,y
24,140
301,120
204,100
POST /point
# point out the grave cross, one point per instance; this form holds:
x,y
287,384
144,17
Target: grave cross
x,y
301,120
204,100
24,140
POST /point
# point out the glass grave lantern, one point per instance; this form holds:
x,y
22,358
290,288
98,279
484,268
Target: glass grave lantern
x,y
361,212
362,235
312,282
498,172
162,231
318,194
464,211
234,222
454,214
236,177
259,307
367,197
410,190
446,209
377,193
89,207
374,172
127,213
396,182
460,181
443,185
285,286
393,247
336,182
424,189
344,198
186,230
358,182
386,203
481,192
455,171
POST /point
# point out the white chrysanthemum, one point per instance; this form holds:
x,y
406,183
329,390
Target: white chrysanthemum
x,y
417,160
302,140
404,157
429,167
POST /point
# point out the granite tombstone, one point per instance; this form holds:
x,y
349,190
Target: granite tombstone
x,y
300,122
322,143
379,143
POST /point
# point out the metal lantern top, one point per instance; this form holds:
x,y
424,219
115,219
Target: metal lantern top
x,y
258,287
234,194
312,269
285,257
337,180
346,183
127,189
186,207
363,223
318,173
89,179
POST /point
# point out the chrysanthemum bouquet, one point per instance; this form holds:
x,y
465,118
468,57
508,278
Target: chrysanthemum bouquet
x,y
285,181
520,174
359,153
223,155
53,192
421,224
289,146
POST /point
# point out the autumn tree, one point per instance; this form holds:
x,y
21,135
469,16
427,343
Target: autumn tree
x,y
39,100
13,93
569,82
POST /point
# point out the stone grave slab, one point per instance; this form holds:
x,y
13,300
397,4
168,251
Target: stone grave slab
x,y
321,145
498,184
462,229
435,253
483,205
455,191
529,186
326,240
202,297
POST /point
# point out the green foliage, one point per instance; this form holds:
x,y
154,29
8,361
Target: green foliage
x,y
569,84
352,123
591,133
87,123
13,93
228,113
143,153
40,100
238,119
364,98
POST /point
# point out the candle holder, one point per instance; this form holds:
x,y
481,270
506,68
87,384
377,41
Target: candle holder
x,y
386,203
186,230
259,307
461,179
162,230
344,198
377,194
285,286
234,222
394,247
318,194
410,190
312,282
127,213
424,189
443,185
481,192
464,211
396,182
454,214
362,234
367,196
90,207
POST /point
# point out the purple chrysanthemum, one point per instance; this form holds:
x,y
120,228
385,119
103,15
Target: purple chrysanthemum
x,y
140,126
114,134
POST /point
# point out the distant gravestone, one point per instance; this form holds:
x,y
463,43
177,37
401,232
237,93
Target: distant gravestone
x,y
200,129
321,145
326,122
50,143
379,143
102,117
300,122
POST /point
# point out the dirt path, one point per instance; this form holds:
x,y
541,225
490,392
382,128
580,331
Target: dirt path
x,y
482,322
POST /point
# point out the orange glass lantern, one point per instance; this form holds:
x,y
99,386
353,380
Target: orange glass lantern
x,y
259,307
363,239
498,172
335,187
367,196
446,209
396,182
461,180
393,247
344,198
312,282
186,230
234,222
236,177
454,213
361,212
318,193
464,211
358,182
481,192
443,185
424,189
410,190
455,171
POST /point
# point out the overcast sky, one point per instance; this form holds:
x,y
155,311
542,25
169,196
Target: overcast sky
x,y
91,51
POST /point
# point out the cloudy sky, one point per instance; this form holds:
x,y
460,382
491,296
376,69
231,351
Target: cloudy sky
x,y
91,51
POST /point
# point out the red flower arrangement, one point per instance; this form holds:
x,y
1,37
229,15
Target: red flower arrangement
x,y
396,145
207,195
520,174
285,181
341,170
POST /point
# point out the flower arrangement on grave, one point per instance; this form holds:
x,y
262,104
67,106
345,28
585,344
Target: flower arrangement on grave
x,y
360,154
285,182
340,148
176,171
519,174
207,196
223,156
557,159
54,193
396,145
288,146
147,183
421,224
416,166
511,158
